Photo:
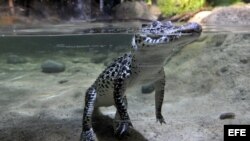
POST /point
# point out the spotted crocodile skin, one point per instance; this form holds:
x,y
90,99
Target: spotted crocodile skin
x,y
151,48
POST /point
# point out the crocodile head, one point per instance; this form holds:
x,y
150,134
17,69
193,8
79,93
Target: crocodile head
x,y
165,34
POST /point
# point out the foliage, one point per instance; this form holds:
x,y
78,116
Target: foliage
x,y
148,2
171,7
222,2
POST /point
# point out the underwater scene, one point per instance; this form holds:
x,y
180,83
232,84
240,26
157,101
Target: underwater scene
x,y
45,72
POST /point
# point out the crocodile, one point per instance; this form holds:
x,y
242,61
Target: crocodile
x,y
152,46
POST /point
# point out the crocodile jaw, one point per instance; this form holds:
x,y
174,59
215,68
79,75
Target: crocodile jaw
x,y
165,34
153,47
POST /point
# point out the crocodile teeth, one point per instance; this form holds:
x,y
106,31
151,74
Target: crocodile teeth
x,y
149,40
157,41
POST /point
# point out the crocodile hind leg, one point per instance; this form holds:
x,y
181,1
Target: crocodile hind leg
x,y
87,130
159,96
117,121
123,124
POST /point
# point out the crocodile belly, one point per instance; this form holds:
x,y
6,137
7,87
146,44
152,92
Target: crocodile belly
x,y
104,98
145,77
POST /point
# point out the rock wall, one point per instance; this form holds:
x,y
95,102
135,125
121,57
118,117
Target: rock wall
x,y
233,15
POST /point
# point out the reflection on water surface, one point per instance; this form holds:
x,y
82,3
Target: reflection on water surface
x,y
207,78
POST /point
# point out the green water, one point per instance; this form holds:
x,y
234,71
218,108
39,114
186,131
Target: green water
x,y
206,79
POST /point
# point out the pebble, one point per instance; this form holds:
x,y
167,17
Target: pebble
x,y
51,66
14,59
75,61
224,69
99,58
146,89
244,60
63,81
227,116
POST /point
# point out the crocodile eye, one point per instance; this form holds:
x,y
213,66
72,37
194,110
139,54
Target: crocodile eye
x,y
136,40
168,24
155,23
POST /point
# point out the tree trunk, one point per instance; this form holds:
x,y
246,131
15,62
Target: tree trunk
x,y
154,2
101,5
11,7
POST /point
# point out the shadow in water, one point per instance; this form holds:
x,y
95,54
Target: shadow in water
x,y
103,127
35,129
20,128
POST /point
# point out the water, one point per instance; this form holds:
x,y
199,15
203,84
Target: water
x,y
206,79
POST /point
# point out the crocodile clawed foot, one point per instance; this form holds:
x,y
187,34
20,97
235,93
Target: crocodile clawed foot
x,y
88,135
160,119
122,129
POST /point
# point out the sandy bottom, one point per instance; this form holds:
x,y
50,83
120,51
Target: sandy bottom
x,y
204,81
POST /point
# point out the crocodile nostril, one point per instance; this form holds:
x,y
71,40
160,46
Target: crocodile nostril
x,y
191,28
199,28
196,27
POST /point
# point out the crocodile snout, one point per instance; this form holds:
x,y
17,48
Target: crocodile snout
x,y
197,28
191,28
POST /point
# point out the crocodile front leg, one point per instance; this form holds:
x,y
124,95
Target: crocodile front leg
x,y
121,126
118,120
159,96
87,130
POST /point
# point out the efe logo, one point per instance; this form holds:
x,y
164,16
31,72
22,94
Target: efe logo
x,y
236,132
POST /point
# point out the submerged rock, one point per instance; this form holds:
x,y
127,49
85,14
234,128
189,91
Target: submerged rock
x,y
63,81
146,89
14,59
224,69
51,66
99,58
244,60
76,61
227,116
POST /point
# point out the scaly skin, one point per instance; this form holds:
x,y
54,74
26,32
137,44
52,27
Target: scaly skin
x,y
151,48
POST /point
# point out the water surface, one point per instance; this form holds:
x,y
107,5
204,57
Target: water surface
x,y
207,78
